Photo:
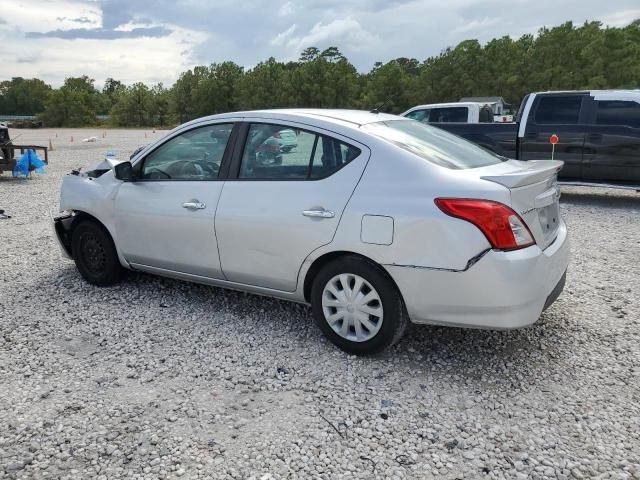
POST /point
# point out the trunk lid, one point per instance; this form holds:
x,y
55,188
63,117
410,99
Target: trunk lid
x,y
535,194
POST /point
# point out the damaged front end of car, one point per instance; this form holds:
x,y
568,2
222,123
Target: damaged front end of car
x,y
85,194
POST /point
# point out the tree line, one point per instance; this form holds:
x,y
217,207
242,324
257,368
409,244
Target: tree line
x,y
564,57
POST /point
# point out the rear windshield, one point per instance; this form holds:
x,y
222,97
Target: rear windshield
x,y
433,144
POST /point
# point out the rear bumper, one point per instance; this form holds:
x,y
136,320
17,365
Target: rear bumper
x,y
503,290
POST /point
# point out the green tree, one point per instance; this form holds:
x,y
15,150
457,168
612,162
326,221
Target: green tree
x,y
389,88
111,93
20,96
134,107
72,105
267,85
215,91
324,79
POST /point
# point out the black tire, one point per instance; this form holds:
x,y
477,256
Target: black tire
x,y
394,318
95,254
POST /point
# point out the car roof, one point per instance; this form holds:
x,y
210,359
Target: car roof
x,y
445,105
352,118
609,91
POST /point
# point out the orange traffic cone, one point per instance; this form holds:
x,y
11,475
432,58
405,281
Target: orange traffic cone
x,y
50,145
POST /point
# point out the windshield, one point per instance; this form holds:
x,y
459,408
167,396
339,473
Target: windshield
x,y
433,144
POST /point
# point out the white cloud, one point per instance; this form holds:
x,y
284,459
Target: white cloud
x,y
38,16
155,40
477,25
344,33
283,37
286,9
620,19
130,60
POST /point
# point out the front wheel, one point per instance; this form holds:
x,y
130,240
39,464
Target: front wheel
x,y
357,306
95,254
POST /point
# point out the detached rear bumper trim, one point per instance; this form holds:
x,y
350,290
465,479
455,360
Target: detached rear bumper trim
x,y
62,229
555,293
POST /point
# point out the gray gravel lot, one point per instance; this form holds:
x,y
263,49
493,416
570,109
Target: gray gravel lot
x,y
157,378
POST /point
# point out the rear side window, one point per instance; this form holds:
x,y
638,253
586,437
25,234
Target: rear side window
x,y
449,115
276,152
433,144
558,110
617,112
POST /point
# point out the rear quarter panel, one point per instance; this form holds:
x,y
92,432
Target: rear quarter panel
x,y
399,185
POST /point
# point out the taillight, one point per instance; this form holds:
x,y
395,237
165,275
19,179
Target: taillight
x,y
503,227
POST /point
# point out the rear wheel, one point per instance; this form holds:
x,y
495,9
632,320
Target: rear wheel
x,y
357,306
95,254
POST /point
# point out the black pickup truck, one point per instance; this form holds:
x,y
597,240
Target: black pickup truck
x,y
598,131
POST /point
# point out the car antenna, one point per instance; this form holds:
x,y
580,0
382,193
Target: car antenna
x,y
381,105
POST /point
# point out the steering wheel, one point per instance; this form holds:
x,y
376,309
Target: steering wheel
x,y
155,172
198,169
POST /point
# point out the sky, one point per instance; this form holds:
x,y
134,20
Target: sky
x,y
155,40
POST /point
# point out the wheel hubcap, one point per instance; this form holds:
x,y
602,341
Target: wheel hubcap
x,y
93,252
352,307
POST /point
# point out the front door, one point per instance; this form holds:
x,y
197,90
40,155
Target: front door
x,y
283,202
559,115
165,218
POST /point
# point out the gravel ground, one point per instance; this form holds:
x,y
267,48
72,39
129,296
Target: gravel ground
x,y
157,378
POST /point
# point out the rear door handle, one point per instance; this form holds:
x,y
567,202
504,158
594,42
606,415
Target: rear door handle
x,y
194,205
318,213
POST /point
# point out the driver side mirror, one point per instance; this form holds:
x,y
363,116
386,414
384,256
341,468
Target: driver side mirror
x,y
124,171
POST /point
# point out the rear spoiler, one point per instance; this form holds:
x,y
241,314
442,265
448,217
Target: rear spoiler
x,y
532,171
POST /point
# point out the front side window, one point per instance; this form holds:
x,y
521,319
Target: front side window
x,y
193,155
433,144
276,152
617,112
558,110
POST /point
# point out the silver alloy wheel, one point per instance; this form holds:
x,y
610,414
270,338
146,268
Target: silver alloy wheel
x,y
352,307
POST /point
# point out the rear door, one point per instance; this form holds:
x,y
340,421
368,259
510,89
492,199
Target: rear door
x,y
558,114
612,143
279,206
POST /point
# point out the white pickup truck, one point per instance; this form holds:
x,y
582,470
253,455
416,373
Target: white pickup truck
x,y
457,112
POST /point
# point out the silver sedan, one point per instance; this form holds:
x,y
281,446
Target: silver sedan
x,y
374,220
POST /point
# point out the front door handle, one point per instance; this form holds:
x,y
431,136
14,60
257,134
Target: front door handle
x,y
318,213
194,205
